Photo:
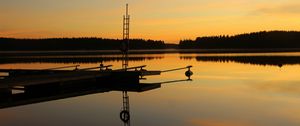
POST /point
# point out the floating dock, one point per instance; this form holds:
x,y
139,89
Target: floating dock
x,y
51,78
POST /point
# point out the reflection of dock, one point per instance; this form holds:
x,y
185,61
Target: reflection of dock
x,y
43,94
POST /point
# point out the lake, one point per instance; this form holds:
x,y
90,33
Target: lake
x,y
249,89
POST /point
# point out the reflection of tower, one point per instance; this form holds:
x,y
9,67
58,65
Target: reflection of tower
x,y
125,43
125,113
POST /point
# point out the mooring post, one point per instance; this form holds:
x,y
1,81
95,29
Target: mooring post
x,y
4,92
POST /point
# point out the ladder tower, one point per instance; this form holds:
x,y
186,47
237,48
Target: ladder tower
x,y
125,43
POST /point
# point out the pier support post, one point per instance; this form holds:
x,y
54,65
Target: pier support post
x,y
4,92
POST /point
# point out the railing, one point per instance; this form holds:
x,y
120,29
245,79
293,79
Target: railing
x,y
133,68
57,68
188,67
100,67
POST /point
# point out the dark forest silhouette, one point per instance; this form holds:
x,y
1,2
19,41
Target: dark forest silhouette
x,y
72,59
11,44
255,40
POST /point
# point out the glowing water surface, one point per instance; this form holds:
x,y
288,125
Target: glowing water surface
x,y
221,94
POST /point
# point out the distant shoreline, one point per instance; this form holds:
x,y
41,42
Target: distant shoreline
x,y
254,40
148,51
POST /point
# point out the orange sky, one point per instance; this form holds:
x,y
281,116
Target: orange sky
x,y
168,20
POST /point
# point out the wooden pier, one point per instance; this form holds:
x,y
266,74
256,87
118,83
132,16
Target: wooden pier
x,y
53,83
54,77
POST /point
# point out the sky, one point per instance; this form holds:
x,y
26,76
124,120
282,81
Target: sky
x,y
168,20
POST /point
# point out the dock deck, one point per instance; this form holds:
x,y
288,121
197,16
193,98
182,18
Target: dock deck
x,y
25,78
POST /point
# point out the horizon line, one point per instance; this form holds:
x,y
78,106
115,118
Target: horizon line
x,y
37,38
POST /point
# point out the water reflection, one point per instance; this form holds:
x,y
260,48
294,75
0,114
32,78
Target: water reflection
x,y
254,60
75,59
24,96
220,94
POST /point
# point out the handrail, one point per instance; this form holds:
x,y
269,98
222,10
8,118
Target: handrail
x,y
130,68
187,67
55,68
92,68
136,67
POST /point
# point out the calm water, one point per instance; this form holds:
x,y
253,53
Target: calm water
x,y
227,90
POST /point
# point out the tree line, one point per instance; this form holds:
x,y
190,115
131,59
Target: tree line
x,y
76,44
255,40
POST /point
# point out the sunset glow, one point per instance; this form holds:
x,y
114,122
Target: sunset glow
x,y
168,20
